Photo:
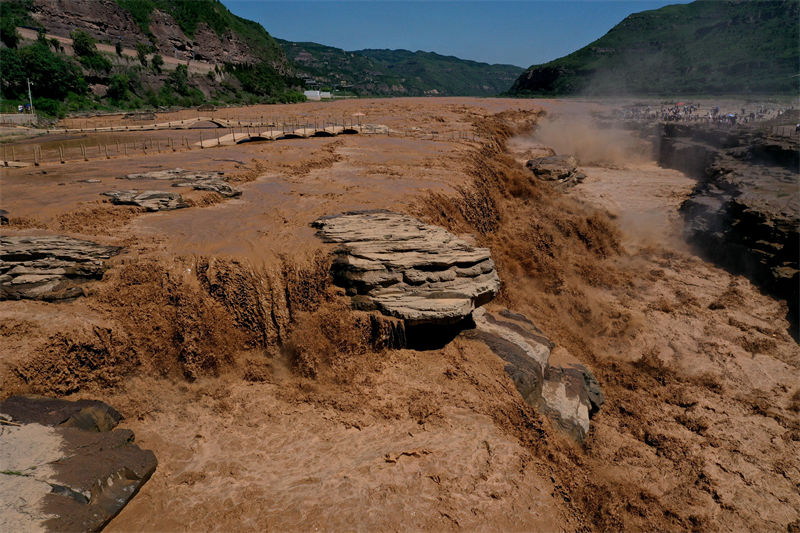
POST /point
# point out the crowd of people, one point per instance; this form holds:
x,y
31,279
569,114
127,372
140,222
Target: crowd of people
x,y
710,114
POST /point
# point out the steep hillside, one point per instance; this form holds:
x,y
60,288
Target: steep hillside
x,y
706,47
202,30
397,72
129,54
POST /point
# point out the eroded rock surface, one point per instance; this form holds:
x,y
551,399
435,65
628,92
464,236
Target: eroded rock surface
x,y
199,180
744,213
58,473
569,395
150,200
173,174
50,267
559,168
404,268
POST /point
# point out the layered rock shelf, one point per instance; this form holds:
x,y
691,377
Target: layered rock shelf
x,y
406,269
49,267
63,466
150,200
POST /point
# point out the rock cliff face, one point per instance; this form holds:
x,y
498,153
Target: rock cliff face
x,y
106,21
744,212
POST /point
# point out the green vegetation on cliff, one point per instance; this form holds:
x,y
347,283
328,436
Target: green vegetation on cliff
x,y
61,83
189,13
707,47
397,72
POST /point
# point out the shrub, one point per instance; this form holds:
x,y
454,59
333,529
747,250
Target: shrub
x,y
83,44
157,62
49,107
141,52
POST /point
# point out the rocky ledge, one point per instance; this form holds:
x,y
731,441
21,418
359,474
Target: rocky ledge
x,y
150,200
435,283
49,267
198,180
562,169
568,394
744,213
63,466
406,269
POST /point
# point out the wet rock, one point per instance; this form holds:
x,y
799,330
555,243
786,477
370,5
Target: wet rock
x,y
569,395
60,478
567,399
218,186
174,174
404,268
89,415
559,168
517,341
49,267
201,181
150,200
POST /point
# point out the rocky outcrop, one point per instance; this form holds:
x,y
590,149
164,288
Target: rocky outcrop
x,y
174,174
562,169
63,466
150,200
404,268
744,213
49,267
569,395
198,180
107,22
435,283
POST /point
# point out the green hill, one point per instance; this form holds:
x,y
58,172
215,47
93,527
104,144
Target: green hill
x,y
706,47
185,53
396,72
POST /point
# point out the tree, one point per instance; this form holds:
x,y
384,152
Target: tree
x,y
8,32
118,88
141,52
83,44
56,44
178,79
157,62
51,76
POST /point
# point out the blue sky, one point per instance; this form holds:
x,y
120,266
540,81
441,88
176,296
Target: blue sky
x,y
519,33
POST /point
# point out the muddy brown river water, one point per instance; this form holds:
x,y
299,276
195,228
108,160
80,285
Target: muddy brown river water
x,y
701,426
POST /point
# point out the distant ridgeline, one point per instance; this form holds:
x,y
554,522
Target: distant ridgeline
x,y
396,72
707,47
